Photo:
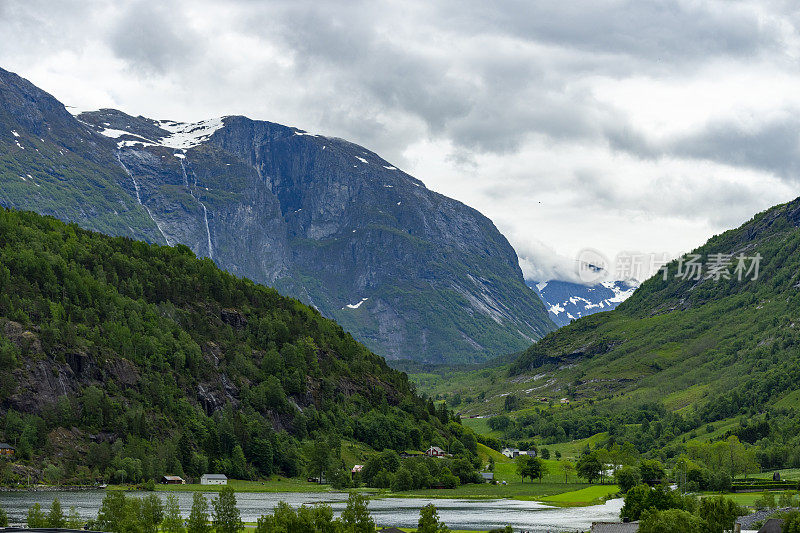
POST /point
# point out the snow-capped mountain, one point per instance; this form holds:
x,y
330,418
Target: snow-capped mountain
x,y
566,301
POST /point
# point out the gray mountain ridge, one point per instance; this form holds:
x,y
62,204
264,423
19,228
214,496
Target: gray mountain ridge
x,y
409,272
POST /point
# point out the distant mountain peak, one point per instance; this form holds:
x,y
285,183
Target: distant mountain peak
x,y
567,301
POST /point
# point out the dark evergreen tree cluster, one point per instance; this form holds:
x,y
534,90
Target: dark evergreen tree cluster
x,y
167,364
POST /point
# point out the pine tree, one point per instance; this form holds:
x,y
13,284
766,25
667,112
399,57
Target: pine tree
x,y
36,518
173,522
198,517
56,519
429,521
356,517
227,518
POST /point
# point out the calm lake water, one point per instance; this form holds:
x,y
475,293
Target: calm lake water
x,y
400,512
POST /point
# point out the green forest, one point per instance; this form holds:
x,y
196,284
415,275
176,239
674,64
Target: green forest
x,y
122,361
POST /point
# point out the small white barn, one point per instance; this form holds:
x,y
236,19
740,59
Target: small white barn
x,y
213,479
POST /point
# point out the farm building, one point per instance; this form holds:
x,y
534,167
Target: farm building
x,y
214,479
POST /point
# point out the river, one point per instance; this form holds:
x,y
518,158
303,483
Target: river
x,y
401,512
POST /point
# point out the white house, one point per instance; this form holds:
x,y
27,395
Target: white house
x,y
511,453
213,479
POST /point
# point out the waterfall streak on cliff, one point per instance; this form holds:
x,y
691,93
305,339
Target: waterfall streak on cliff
x,y
139,199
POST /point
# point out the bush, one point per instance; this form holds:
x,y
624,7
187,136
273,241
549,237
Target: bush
x,y
720,482
36,518
402,480
765,501
627,477
671,520
791,522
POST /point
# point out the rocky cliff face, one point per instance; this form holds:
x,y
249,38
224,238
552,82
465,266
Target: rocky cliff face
x,y
411,273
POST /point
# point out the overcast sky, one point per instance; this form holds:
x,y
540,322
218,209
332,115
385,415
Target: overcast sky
x,y
642,126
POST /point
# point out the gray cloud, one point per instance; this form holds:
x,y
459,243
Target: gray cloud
x,y
675,31
154,37
773,146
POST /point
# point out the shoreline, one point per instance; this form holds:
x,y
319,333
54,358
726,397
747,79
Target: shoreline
x,y
53,488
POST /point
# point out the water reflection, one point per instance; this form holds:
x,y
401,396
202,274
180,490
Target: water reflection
x,y
400,512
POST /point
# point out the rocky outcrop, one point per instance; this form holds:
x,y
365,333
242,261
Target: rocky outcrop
x,y
233,318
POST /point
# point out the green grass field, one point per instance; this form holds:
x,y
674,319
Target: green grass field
x,y
746,499
515,490
591,495
552,488
789,474
480,426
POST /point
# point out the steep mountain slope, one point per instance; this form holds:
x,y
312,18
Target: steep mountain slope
x,y
721,345
566,301
411,273
117,356
676,360
51,163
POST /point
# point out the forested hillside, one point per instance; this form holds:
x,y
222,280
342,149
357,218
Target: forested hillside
x,y
123,361
691,355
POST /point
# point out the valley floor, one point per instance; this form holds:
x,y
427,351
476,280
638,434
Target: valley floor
x,y
550,492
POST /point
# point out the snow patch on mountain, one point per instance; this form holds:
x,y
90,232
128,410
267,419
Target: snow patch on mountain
x,y
188,135
566,301
180,135
356,306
